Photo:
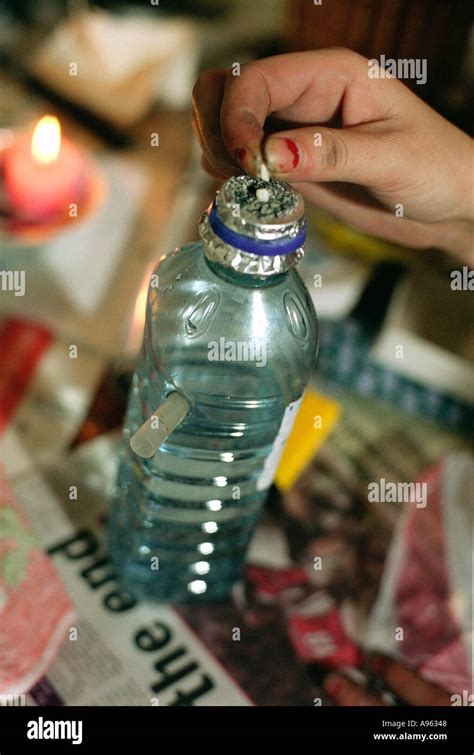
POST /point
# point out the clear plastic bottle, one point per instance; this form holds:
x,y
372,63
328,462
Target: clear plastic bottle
x,y
231,336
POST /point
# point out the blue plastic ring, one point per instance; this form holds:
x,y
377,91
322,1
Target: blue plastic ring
x,y
254,246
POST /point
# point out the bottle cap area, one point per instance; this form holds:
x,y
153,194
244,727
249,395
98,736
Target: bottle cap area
x,y
259,217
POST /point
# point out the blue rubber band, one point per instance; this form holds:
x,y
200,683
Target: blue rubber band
x,y
254,246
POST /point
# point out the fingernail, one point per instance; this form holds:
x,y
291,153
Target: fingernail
x,y
281,154
250,159
334,684
378,663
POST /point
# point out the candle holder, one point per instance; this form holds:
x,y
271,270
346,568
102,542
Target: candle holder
x,y
17,234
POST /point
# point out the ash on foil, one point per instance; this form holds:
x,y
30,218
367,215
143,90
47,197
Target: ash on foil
x,y
242,191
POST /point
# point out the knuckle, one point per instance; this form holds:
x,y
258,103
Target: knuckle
x,y
349,57
341,50
255,72
335,155
250,68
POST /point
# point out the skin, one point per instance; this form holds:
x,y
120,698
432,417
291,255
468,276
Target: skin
x,y
405,683
380,146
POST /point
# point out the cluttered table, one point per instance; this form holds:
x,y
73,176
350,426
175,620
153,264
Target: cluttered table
x,y
336,569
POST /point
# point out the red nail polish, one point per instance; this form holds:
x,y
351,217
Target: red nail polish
x,y
294,151
240,154
281,154
334,685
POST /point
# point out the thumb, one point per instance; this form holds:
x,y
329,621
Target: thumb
x,y
355,155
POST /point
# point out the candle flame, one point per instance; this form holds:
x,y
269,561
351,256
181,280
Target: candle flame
x,y
46,140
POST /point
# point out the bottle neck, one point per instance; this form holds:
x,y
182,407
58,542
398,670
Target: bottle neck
x,y
227,260
242,279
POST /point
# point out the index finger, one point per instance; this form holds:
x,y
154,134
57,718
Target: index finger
x,y
306,87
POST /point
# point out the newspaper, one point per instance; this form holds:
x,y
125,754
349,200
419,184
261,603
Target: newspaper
x,y
284,625
119,652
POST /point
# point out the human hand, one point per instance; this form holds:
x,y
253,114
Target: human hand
x,y
405,683
367,150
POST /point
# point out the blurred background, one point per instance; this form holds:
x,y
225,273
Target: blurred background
x,y
118,77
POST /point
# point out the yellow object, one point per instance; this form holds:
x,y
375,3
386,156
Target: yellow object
x,y
345,239
316,418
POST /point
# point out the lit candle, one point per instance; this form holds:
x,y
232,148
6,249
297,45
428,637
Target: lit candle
x,y
43,174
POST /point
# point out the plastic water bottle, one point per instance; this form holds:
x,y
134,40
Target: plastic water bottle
x,y
230,343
